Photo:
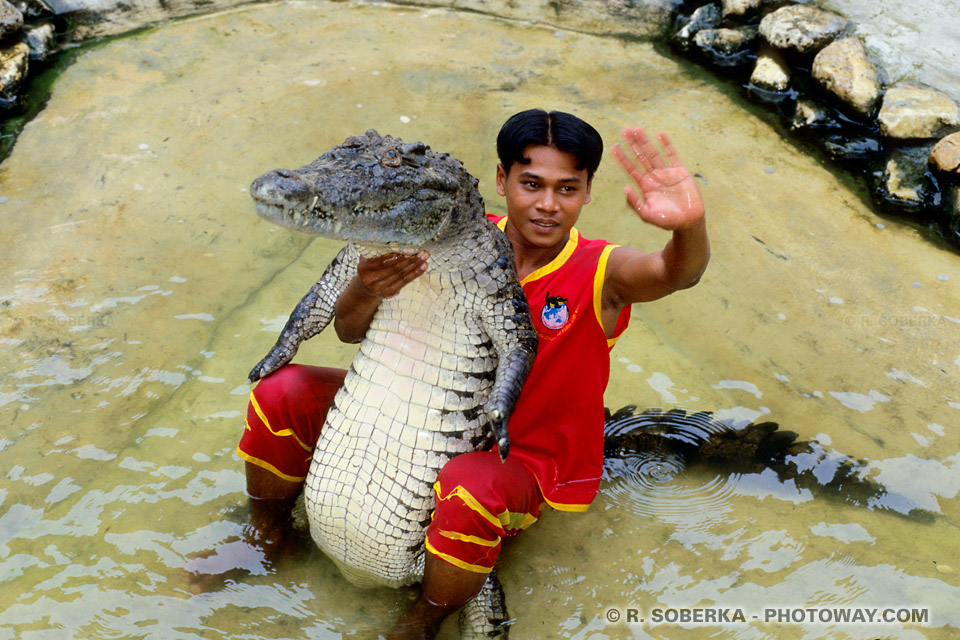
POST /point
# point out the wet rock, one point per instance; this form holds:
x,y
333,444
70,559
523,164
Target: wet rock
x,y
740,7
33,9
41,40
945,156
915,111
726,47
11,20
810,115
13,69
857,148
842,138
843,69
802,28
771,72
952,212
905,183
706,17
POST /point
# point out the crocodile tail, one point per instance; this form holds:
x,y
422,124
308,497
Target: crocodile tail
x,y
701,439
485,615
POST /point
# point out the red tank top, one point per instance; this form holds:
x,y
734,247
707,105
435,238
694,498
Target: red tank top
x,y
556,429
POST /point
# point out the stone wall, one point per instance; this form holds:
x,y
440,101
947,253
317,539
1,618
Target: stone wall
x,y
26,34
636,18
808,66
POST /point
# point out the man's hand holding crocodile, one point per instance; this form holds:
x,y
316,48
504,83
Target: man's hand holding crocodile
x,y
377,278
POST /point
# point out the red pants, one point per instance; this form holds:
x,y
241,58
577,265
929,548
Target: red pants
x,y
480,500
284,417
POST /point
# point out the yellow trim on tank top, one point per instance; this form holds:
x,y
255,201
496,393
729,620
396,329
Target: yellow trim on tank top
x,y
598,277
560,506
572,240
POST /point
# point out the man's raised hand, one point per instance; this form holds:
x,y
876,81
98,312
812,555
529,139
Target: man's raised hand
x,y
668,196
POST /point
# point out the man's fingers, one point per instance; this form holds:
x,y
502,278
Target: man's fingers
x,y
410,272
630,167
634,201
386,275
646,152
672,158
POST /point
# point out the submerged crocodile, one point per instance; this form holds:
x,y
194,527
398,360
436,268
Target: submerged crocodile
x,y
440,367
680,441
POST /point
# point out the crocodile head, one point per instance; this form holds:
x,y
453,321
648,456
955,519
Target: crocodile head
x,y
371,190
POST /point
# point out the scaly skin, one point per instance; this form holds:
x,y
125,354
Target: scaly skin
x,y
441,366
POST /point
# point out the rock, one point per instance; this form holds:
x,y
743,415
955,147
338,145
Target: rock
x,y
842,68
810,115
41,39
14,62
857,148
705,17
945,156
11,20
726,47
802,28
905,184
33,9
740,7
771,72
952,211
915,111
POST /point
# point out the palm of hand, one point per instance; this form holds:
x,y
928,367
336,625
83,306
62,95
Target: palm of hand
x,y
671,199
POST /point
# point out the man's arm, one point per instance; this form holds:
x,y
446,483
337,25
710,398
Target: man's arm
x,y
376,279
668,199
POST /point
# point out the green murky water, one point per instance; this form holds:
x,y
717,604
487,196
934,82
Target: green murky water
x,y
138,287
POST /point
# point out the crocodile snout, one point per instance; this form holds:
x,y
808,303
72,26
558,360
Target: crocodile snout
x,y
280,187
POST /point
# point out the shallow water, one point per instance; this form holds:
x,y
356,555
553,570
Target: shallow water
x,y
138,288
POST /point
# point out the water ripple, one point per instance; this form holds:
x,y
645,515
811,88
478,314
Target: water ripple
x,y
648,483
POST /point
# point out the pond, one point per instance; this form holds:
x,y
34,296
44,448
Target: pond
x,y
138,288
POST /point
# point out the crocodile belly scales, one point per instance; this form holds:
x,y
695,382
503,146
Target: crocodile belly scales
x,y
412,399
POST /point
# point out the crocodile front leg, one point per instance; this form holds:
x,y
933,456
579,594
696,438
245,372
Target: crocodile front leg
x,y
312,314
507,322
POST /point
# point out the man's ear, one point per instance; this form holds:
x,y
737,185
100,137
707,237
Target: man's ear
x,y
586,199
501,180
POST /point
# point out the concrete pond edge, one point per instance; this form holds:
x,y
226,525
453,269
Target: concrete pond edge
x,y
800,63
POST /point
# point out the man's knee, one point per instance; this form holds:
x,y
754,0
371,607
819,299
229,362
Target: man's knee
x,y
478,490
297,379
285,416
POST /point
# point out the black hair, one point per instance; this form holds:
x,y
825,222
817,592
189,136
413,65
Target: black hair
x,y
562,131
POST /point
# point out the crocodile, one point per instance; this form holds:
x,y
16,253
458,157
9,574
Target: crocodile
x,y
439,369
676,441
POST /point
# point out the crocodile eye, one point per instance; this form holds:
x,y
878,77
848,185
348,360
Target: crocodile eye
x,y
391,158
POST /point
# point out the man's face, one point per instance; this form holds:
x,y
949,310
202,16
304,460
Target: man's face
x,y
544,197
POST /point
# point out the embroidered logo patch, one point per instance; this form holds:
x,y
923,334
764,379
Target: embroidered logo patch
x,y
555,313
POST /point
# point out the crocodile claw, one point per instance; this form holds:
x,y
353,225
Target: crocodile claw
x,y
270,363
498,426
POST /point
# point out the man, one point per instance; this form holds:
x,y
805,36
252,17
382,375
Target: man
x,y
580,293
